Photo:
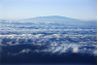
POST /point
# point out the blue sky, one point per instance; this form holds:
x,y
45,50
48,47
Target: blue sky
x,y
19,9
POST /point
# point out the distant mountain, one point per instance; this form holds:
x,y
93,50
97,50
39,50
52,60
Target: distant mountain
x,y
49,19
52,20
59,20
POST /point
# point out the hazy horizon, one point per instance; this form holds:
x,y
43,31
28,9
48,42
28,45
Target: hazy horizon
x,y
21,9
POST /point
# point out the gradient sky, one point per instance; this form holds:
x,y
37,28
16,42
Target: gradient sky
x,y
19,9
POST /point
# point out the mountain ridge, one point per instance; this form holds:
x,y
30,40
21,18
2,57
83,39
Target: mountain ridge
x,y
51,20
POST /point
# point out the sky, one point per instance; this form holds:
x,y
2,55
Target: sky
x,y
20,9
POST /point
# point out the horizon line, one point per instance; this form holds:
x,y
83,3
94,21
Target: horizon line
x,y
46,16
